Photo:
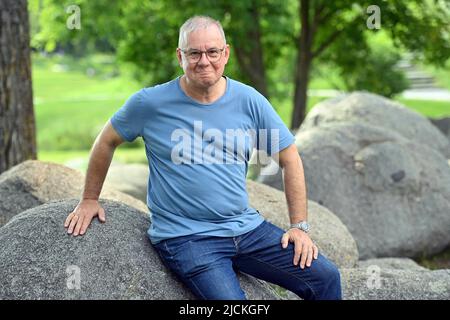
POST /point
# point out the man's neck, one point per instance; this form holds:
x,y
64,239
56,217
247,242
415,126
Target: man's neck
x,y
204,95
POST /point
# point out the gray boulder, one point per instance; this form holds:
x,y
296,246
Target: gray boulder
x,y
114,260
372,109
32,183
392,193
391,284
328,232
131,179
391,263
402,191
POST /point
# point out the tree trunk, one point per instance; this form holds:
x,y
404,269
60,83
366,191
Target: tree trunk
x,y
301,89
303,66
17,126
250,55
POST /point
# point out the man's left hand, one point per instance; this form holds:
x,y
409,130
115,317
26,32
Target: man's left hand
x,y
304,249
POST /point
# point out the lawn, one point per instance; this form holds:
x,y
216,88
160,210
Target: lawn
x,y
431,109
70,106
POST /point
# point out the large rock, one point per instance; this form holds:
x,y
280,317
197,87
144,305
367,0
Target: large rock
x,y
392,193
114,260
391,263
131,179
376,110
33,183
328,232
395,284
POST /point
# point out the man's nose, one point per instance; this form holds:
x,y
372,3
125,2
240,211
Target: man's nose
x,y
203,60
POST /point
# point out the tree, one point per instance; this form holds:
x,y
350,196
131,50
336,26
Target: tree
x,y
17,125
254,28
417,25
145,33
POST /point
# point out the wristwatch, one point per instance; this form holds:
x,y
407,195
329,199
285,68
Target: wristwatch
x,y
302,225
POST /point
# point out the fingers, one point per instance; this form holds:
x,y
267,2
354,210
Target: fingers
x,y
315,251
304,257
85,225
101,214
73,222
298,248
79,224
68,219
78,221
310,256
285,240
304,249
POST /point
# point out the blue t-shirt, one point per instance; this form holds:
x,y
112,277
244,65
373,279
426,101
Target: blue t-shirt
x,y
198,156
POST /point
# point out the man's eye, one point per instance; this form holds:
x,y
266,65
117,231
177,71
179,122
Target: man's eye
x,y
194,54
213,52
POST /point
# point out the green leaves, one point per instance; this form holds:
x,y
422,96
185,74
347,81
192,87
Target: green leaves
x,y
263,35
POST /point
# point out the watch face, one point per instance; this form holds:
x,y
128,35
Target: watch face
x,y
305,226
301,225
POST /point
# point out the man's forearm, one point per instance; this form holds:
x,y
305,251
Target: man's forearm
x,y
99,162
295,190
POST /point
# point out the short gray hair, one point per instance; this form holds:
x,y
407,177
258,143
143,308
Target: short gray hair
x,y
195,23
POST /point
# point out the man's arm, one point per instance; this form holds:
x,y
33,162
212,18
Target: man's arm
x,y
100,159
294,184
295,192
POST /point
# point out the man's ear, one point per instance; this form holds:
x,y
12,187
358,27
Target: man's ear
x,y
179,57
227,53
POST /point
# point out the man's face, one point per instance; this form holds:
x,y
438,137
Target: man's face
x,y
204,74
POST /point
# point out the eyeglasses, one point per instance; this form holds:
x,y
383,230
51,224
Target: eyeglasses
x,y
194,56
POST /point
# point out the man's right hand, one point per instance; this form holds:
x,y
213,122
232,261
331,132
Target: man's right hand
x,y
79,220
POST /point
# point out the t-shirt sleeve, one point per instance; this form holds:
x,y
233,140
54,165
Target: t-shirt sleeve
x,y
128,121
272,134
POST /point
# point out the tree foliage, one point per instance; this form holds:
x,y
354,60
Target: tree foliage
x,y
272,41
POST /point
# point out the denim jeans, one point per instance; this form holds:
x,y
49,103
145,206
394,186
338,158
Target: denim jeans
x,y
207,265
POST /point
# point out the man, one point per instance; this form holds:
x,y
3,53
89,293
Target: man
x,y
199,130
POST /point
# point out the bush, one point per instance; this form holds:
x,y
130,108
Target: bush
x,y
378,73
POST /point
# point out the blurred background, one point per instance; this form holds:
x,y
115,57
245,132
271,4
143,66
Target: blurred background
x,y
88,58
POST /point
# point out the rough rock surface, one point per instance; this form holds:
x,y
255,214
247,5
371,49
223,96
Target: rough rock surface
x,y
32,183
327,231
391,284
114,260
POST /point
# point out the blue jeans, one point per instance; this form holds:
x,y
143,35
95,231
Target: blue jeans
x,y
207,264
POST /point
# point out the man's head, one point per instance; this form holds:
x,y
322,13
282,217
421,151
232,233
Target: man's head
x,y
202,51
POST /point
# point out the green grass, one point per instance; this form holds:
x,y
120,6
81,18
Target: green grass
x,y
71,107
79,158
428,108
